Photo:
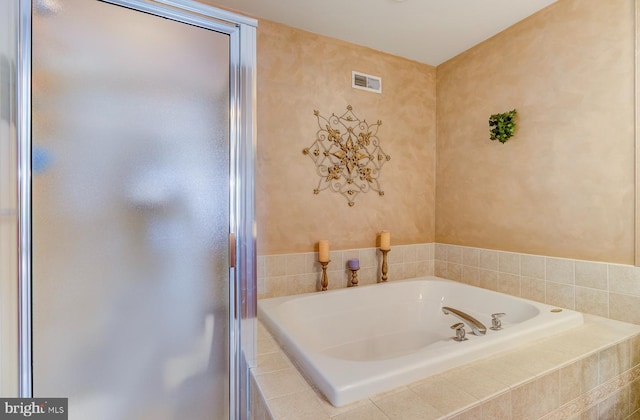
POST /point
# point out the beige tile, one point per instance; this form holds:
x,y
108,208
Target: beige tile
x,y
624,279
472,413
608,330
275,286
503,369
260,288
467,380
332,410
613,361
591,274
275,265
440,268
533,289
589,372
368,258
262,331
432,250
258,405
509,262
592,301
410,254
271,362
634,416
561,295
509,284
365,412
524,402
349,254
410,270
406,405
548,349
296,264
454,271
623,403
300,405
497,408
424,268
532,266
616,406
635,351
624,308
570,382
443,395
281,383
488,259
303,283
470,257
470,275
396,272
394,256
423,252
548,392
260,270
367,275
388,393
589,414
337,260
337,279
259,412
311,263
536,360
548,353
488,279
454,254
577,342
559,270
441,252
634,396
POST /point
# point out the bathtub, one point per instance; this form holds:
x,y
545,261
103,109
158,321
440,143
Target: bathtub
x,y
356,342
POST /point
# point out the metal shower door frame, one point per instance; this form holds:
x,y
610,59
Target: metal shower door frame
x,y
242,137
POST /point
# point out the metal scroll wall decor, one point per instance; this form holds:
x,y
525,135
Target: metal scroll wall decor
x,y
347,155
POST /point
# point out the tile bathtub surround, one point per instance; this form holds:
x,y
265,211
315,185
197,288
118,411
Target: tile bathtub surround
x,y
607,290
590,369
290,274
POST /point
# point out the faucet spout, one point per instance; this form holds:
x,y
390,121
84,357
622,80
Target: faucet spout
x,y
476,326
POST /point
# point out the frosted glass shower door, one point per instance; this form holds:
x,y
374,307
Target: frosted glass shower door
x,y
130,213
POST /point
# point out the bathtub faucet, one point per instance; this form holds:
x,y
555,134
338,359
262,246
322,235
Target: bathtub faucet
x,y
476,326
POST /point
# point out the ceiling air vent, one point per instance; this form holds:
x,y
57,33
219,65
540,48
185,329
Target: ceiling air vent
x,y
366,82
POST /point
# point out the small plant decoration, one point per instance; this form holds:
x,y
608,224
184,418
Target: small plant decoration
x,y
504,125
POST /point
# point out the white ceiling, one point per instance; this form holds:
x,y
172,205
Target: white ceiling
x,y
428,31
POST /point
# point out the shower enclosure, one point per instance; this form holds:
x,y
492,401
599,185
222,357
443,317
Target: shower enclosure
x,y
135,128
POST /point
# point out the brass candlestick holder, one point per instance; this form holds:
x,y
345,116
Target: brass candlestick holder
x,y
324,282
385,266
354,276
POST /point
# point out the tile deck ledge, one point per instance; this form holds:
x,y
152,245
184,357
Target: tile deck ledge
x,y
530,381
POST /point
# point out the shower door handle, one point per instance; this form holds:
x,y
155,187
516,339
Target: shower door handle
x,y
232,250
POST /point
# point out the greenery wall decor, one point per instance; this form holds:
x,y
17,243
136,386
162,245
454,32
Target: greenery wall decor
x,y
504,125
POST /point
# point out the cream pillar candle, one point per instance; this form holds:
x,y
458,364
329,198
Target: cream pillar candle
x,y
385,240
323,250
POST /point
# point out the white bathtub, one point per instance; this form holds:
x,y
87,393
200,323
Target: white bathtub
x,y
356,342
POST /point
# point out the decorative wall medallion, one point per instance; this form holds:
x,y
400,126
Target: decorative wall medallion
x,y
347,155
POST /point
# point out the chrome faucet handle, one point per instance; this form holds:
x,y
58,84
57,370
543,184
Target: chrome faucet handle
x,y
460,332
496,324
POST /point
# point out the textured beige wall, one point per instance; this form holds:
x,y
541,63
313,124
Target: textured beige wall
x,y
299,72
564,185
